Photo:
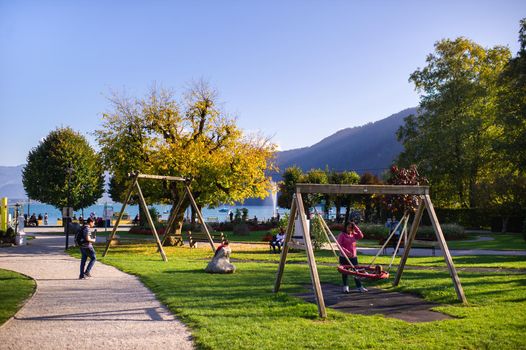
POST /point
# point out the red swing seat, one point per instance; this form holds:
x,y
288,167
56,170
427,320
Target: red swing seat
x,y
364,272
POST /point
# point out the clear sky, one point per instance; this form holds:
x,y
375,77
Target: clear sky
x,y
295,70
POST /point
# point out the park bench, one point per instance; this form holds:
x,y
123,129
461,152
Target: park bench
x,y
195,237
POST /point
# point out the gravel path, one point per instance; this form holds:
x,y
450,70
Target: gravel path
x,y
112,310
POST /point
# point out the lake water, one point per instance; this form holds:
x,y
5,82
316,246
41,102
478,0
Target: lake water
x,y
261,212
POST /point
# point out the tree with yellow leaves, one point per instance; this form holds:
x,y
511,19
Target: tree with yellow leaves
x,y
194,139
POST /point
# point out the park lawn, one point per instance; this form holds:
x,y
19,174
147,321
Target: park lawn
x,y
240,311
15,289
500,241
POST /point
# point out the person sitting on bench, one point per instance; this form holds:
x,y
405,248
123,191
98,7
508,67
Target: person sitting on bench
x,y
277,241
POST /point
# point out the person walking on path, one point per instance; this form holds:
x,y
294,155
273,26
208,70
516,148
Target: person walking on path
x,y
347,241
86,249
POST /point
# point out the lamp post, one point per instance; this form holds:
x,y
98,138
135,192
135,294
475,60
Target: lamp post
x,y
17,208
67,218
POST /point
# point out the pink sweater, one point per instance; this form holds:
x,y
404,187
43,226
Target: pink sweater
x,y
348,241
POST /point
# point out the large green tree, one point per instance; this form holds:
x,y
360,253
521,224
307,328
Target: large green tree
x,y
287,187
293,175
63,170
190,137
505,191
451,137
339,200
512,106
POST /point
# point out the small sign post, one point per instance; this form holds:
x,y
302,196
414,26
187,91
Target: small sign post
x,y
107,215
67,212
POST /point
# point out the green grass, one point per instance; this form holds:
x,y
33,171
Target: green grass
x,y
14,290
239,311
501,241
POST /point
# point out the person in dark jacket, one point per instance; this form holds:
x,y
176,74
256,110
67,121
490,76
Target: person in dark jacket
x,y
86,249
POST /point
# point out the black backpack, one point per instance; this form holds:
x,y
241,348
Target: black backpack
x,y
80,237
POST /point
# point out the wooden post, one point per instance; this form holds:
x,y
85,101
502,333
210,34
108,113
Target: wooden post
x,y
200,217
114,230
443,245
407,247
150,221
310,257
285,248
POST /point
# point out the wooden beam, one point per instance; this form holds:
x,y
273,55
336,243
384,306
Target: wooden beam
x,y
200,217
114,230
407,247
445,250
142,201
158,177
285,248
361,189
310,257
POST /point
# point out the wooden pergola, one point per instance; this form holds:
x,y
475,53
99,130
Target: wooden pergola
x,y
142,202
297,209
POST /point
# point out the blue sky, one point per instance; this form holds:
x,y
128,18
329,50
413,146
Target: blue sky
x,y
295,70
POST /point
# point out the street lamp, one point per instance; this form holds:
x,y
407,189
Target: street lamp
x,y
17,208
67,218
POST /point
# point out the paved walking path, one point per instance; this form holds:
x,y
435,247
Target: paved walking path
x,y
112,310
438,252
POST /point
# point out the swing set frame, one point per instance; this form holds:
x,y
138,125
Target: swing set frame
x,y
297,209
135,176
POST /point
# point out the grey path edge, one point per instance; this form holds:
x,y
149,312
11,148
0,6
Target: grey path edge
x,y
111,310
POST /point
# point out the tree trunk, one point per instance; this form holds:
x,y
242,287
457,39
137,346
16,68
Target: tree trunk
x,y
505,220
368,209
193,215
347,212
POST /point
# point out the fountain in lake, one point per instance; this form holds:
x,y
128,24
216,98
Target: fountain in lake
x,y
274,197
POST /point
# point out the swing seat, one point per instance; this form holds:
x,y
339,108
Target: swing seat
x,y
364,272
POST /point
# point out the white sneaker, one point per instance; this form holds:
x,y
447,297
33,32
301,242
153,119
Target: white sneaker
x,y
362,290
346,289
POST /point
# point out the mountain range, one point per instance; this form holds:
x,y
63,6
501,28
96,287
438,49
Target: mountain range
x,y
11,182
368,148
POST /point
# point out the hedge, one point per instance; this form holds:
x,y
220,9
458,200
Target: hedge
x,y
478,218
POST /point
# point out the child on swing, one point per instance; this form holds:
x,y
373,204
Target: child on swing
x,y
347,241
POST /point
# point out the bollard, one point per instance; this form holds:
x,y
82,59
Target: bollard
x,y
3,214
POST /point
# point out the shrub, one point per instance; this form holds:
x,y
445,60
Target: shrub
x,y
7,236
374,231
317,235
143,222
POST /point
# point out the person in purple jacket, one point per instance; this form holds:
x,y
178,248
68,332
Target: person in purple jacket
x,y
347,241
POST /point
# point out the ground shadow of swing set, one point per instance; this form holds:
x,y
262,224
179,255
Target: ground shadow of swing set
x,y
298,210
135,176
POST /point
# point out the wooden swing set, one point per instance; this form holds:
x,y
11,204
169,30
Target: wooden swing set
x,y
369,272
135,176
